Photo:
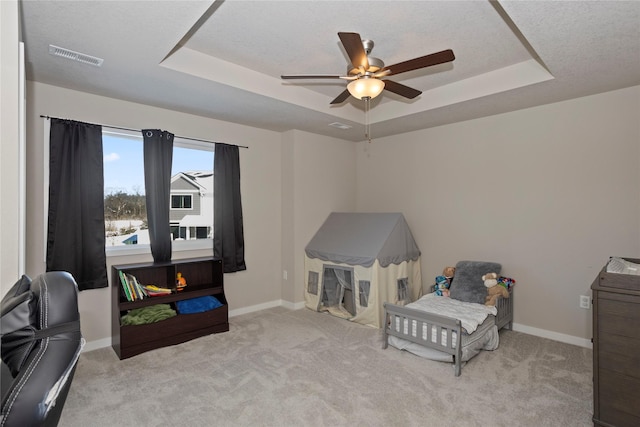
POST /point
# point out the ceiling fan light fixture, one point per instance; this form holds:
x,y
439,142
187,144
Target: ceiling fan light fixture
x,y
365,87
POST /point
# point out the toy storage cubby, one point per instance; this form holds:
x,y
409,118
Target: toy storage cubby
x,y
204,277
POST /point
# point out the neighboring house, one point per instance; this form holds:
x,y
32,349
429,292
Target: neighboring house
x,y
191,213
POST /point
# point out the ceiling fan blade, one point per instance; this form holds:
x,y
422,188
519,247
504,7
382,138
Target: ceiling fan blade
x,y
310,76
401,89
422,62
353,45
341,98
382,73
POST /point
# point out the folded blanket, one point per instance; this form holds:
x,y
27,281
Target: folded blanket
x,y
150,314
197,305
470,314
622,266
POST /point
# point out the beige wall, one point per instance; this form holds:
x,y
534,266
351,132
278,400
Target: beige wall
x,y
323,181
316,175
9,148
260,182
550,192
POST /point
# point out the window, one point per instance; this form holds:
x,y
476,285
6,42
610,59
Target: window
x,y
191,209
181,201
199,232
403,289
312,285
178,232
190,233
125,213
364,286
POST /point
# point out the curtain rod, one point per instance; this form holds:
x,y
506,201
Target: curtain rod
x,y
140,130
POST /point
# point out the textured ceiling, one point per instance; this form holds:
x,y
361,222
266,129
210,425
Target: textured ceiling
x,y
223,59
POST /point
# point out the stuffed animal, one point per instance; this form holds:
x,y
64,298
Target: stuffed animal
x,y
493,291
490,279
506,282
449,272
443,282
441,286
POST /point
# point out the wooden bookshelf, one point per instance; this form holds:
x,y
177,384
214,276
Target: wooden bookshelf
x,y
204,277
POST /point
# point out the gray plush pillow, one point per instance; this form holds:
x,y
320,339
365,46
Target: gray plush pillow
x,y
467,284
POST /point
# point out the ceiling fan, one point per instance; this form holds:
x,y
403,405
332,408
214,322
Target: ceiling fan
x,y
366,73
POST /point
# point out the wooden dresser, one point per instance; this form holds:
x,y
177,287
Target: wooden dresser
x,y
616,349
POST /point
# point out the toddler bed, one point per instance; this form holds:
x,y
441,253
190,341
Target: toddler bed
x,y
431,326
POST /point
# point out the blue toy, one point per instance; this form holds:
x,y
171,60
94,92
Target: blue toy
x,y
441,286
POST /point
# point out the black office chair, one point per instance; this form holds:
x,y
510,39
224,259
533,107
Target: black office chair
x,y
41,343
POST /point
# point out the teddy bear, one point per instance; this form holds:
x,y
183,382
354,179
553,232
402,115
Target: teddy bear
x,y
490,279
443,282
493,291
448,272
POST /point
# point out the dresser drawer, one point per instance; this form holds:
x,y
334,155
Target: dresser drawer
x,y
618,318
619,396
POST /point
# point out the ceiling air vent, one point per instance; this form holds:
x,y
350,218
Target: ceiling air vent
x,y
339,125
75,56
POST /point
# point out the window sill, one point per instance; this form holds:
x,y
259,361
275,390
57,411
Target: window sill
x,y
176,246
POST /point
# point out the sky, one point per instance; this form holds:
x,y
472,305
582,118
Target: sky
x,y
123,163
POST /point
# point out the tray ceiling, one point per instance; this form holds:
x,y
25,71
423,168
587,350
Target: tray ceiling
x,y
224,59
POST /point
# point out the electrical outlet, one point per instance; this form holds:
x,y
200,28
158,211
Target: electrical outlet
x,y
285,274
585,301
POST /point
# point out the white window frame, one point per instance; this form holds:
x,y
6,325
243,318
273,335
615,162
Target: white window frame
x,y
124,250
190,196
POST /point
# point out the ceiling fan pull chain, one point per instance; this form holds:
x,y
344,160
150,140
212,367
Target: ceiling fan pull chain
x,y
367,123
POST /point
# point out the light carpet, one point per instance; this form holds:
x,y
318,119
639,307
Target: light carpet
x,y
279,367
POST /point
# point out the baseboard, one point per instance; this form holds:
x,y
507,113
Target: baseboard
x,y
556,336
97,344
254,308
266,305
293,305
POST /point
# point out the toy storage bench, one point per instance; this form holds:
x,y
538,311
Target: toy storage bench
x,y
204,277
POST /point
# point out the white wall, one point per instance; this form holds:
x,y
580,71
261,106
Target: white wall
x,y
549,192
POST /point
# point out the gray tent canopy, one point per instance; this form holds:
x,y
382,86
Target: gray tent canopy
x,y
361,238
358,261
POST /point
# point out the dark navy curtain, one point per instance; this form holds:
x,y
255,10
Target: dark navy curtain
x,y
158,155
75,228
228,234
